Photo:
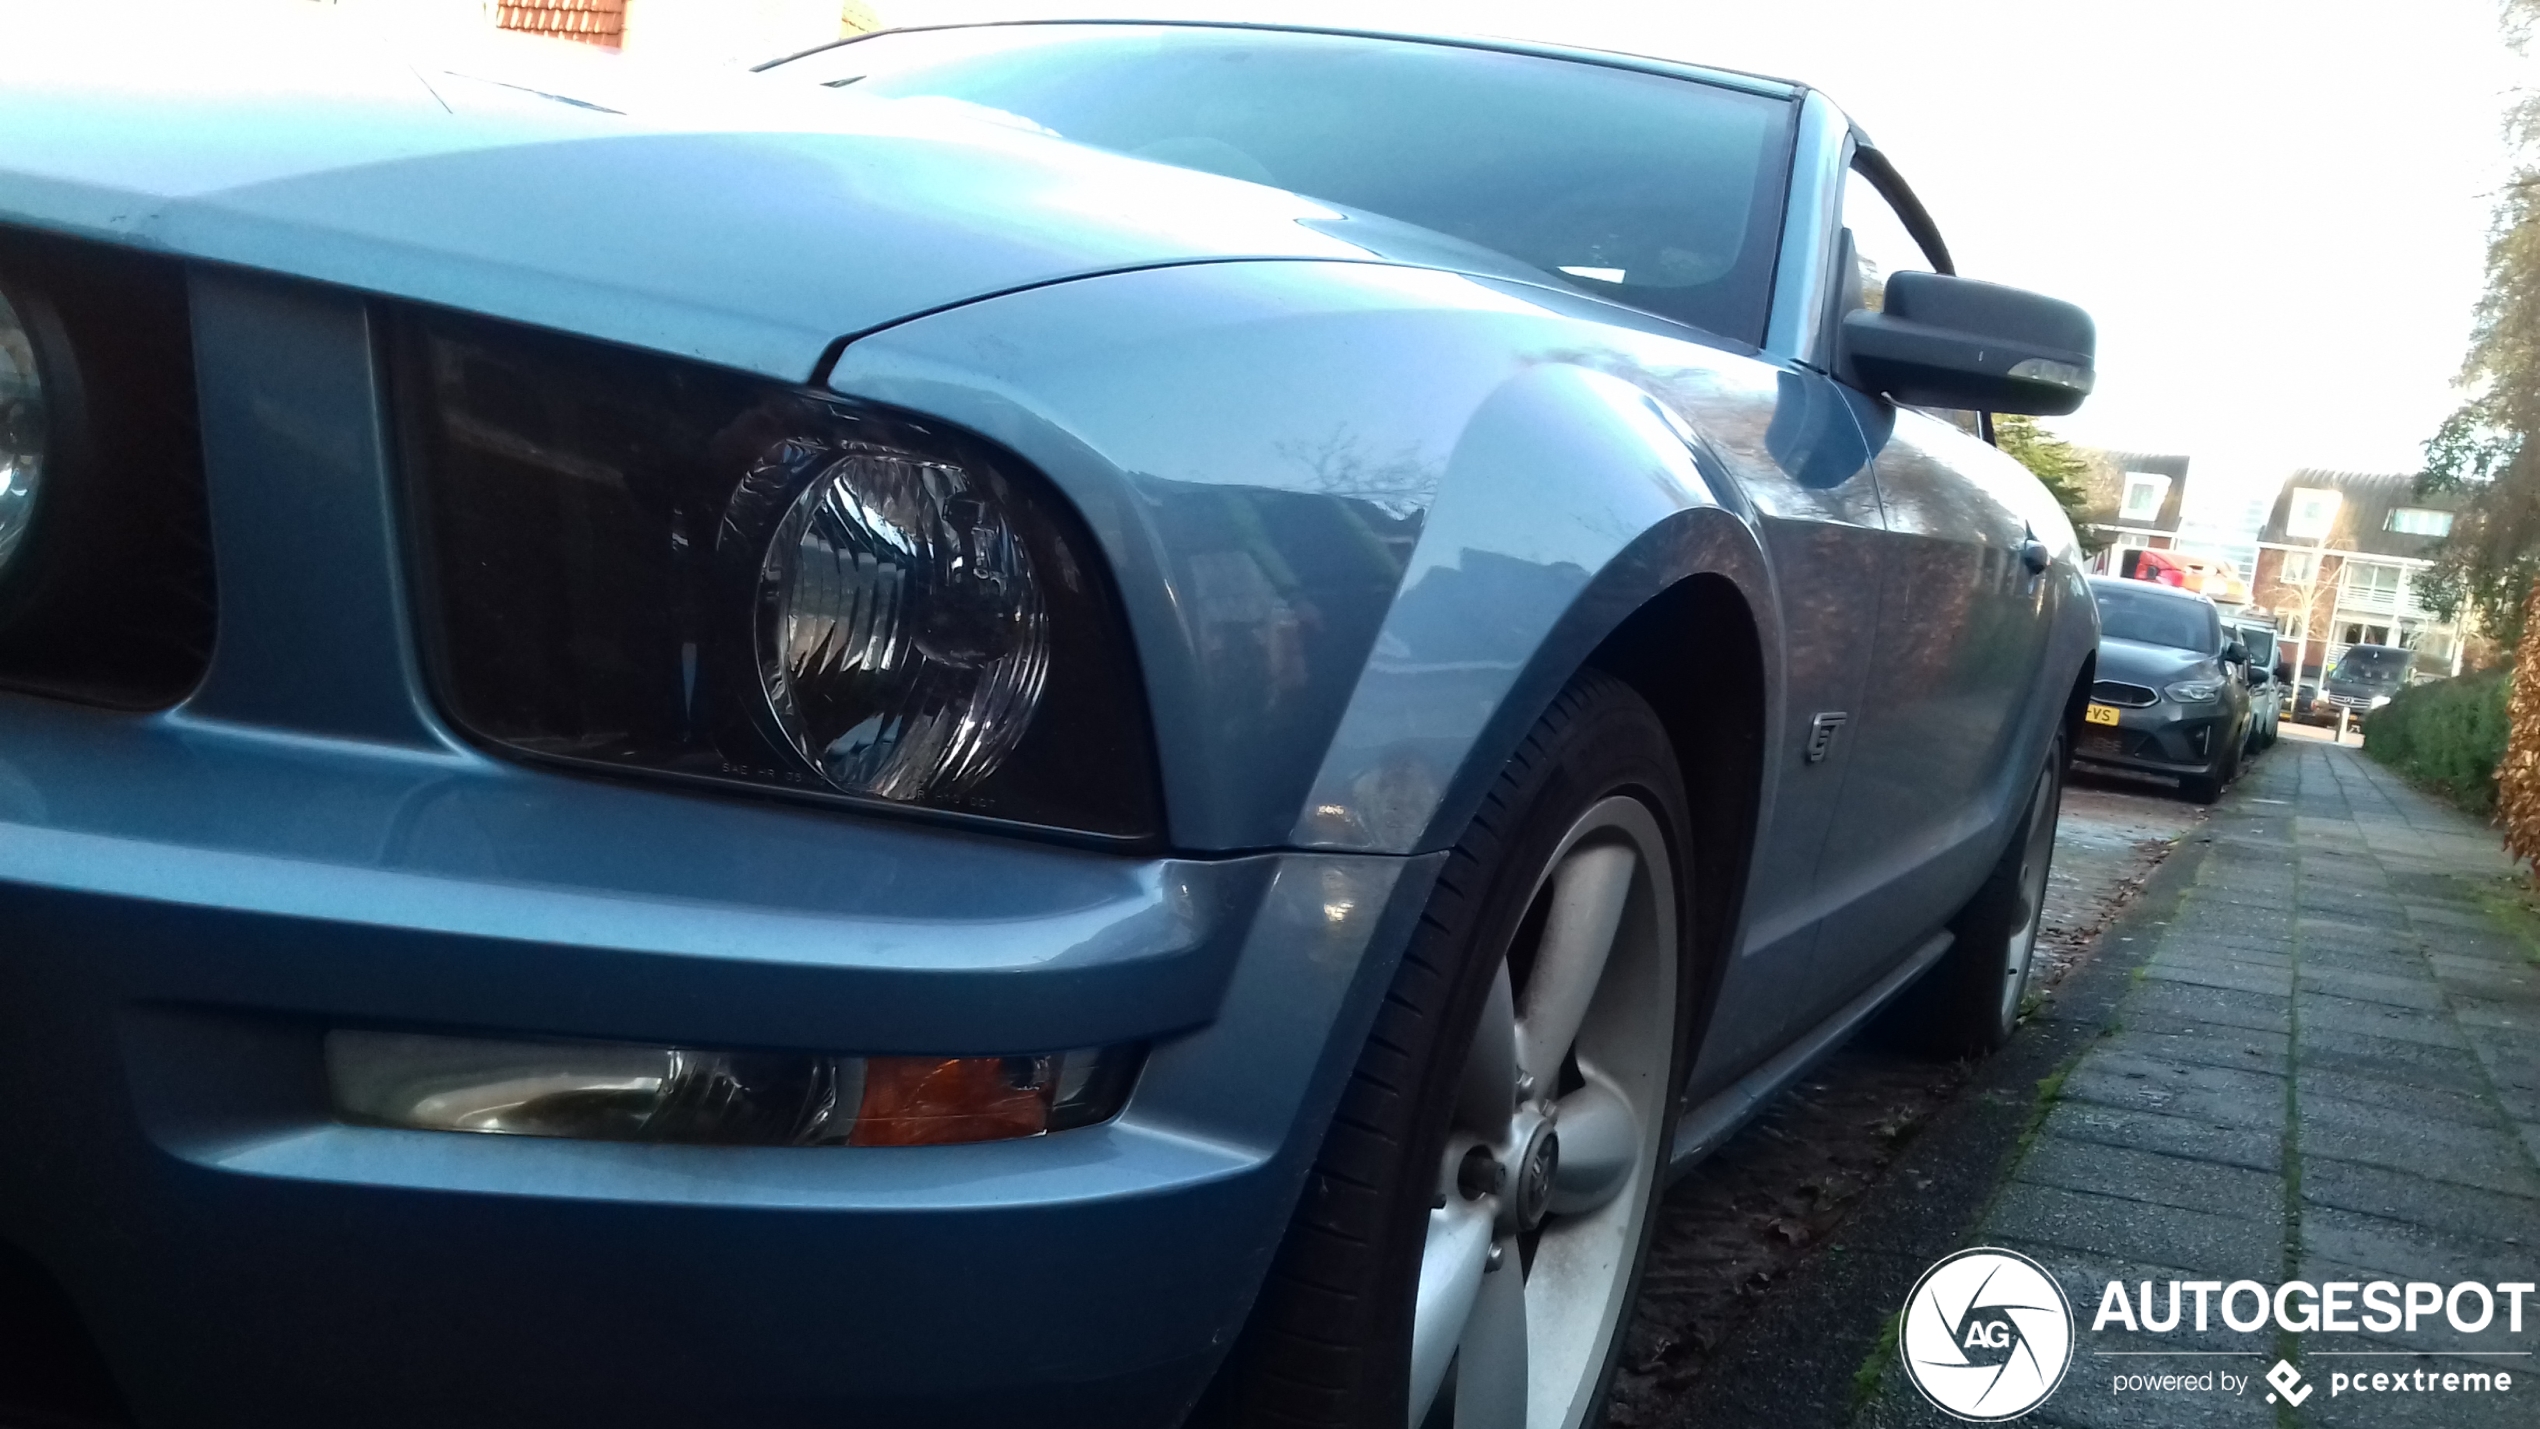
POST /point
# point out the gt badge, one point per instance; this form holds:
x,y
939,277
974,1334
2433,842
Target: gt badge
x,y
1821,732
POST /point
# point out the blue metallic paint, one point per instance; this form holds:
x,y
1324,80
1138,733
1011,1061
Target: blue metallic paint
x,y
1366,519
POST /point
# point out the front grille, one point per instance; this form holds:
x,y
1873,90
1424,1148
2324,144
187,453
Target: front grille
x,y
109,598
2118,692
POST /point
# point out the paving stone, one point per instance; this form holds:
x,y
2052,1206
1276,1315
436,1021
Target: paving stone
x,y
2137,1175
2483,1156
2384,1249
2507,1058
2414,990
2417,1200
2516,1016
2207,973
2213,1045
2156,1003
2414,1098
2231,1246
2449,1068
2331,1013
2259,1148
2115,1078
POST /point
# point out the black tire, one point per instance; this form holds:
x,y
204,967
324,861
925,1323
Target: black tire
x,y
1328,1341
1962,1008
2208,787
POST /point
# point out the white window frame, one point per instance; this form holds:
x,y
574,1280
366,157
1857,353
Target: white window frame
x,y
2151,482
2312,512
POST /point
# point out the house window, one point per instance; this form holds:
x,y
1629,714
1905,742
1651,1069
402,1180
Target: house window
x,y
2312,515
2144,492
2419,521
2299,567
2353,633
2365,583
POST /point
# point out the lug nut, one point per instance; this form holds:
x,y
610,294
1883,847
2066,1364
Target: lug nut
x,y
1479,1174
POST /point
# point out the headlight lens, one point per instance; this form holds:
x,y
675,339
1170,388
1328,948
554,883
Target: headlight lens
x,y
903,641
650,565
23,431
2378,701
2196,692
610,1091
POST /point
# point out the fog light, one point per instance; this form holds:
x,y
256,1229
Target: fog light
x,y
24,425
610,1091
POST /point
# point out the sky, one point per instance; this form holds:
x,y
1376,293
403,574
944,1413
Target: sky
x,y
2277,213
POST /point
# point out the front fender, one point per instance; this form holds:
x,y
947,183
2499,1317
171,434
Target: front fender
x,y
1361,516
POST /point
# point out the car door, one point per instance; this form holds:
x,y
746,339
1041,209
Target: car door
x,y
1816,503
1938,762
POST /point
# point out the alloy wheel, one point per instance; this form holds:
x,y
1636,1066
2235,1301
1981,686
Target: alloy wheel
x,y
1559,1122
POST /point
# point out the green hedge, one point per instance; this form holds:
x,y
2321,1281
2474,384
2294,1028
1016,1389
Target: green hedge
x,y
2447,735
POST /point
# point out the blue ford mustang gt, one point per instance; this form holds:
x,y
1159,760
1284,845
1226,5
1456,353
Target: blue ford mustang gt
x,y
1050,724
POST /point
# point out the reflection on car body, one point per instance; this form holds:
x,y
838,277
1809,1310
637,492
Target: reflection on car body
x,y
941,674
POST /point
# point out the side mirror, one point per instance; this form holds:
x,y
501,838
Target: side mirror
x,y
2236,652
1955,342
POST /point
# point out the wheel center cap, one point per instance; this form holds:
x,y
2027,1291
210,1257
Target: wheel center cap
x,y
1540,1158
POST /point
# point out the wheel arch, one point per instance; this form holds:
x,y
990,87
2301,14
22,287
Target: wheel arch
x,y
1714,713
2077,701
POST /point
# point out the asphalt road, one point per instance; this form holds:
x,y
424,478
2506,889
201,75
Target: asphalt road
x,y
1778,1199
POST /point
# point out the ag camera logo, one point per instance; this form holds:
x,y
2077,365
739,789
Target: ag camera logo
x,y
1988,1334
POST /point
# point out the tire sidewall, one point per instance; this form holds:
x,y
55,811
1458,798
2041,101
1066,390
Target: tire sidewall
x,y
1597,740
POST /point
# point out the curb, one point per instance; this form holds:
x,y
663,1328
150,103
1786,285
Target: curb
x,y
1797,1361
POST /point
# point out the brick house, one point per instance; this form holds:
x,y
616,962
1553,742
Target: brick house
x,y
2339,563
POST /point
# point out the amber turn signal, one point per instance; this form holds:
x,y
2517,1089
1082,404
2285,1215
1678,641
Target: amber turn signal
x,y
610,1091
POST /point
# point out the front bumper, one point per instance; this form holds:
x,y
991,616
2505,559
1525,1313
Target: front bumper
x,y
190,906
2165,738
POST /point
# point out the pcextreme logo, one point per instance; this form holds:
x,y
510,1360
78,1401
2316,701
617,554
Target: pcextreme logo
x,y
1988,1334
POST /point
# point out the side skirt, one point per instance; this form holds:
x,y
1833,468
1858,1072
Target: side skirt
x,y
1701,1129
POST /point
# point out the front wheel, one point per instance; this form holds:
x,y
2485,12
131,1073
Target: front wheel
x,y
1471,1234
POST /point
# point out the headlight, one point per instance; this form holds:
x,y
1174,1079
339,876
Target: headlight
x,y
2196,692
650,565
609,1091
2378,701
902,638
24,424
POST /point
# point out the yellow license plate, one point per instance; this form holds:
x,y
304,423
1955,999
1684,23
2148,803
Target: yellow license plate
x,y
2101,714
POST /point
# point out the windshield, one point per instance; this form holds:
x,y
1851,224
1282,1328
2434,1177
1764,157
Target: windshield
x,y
2372,665
1665,193
2151,619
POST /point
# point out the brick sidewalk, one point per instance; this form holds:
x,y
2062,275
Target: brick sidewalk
x,y
2325,1071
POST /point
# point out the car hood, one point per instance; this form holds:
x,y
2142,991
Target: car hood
x,y
739,219
2154,665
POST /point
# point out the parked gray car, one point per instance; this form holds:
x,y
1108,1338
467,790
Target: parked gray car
x,y
2171,696
1041,725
